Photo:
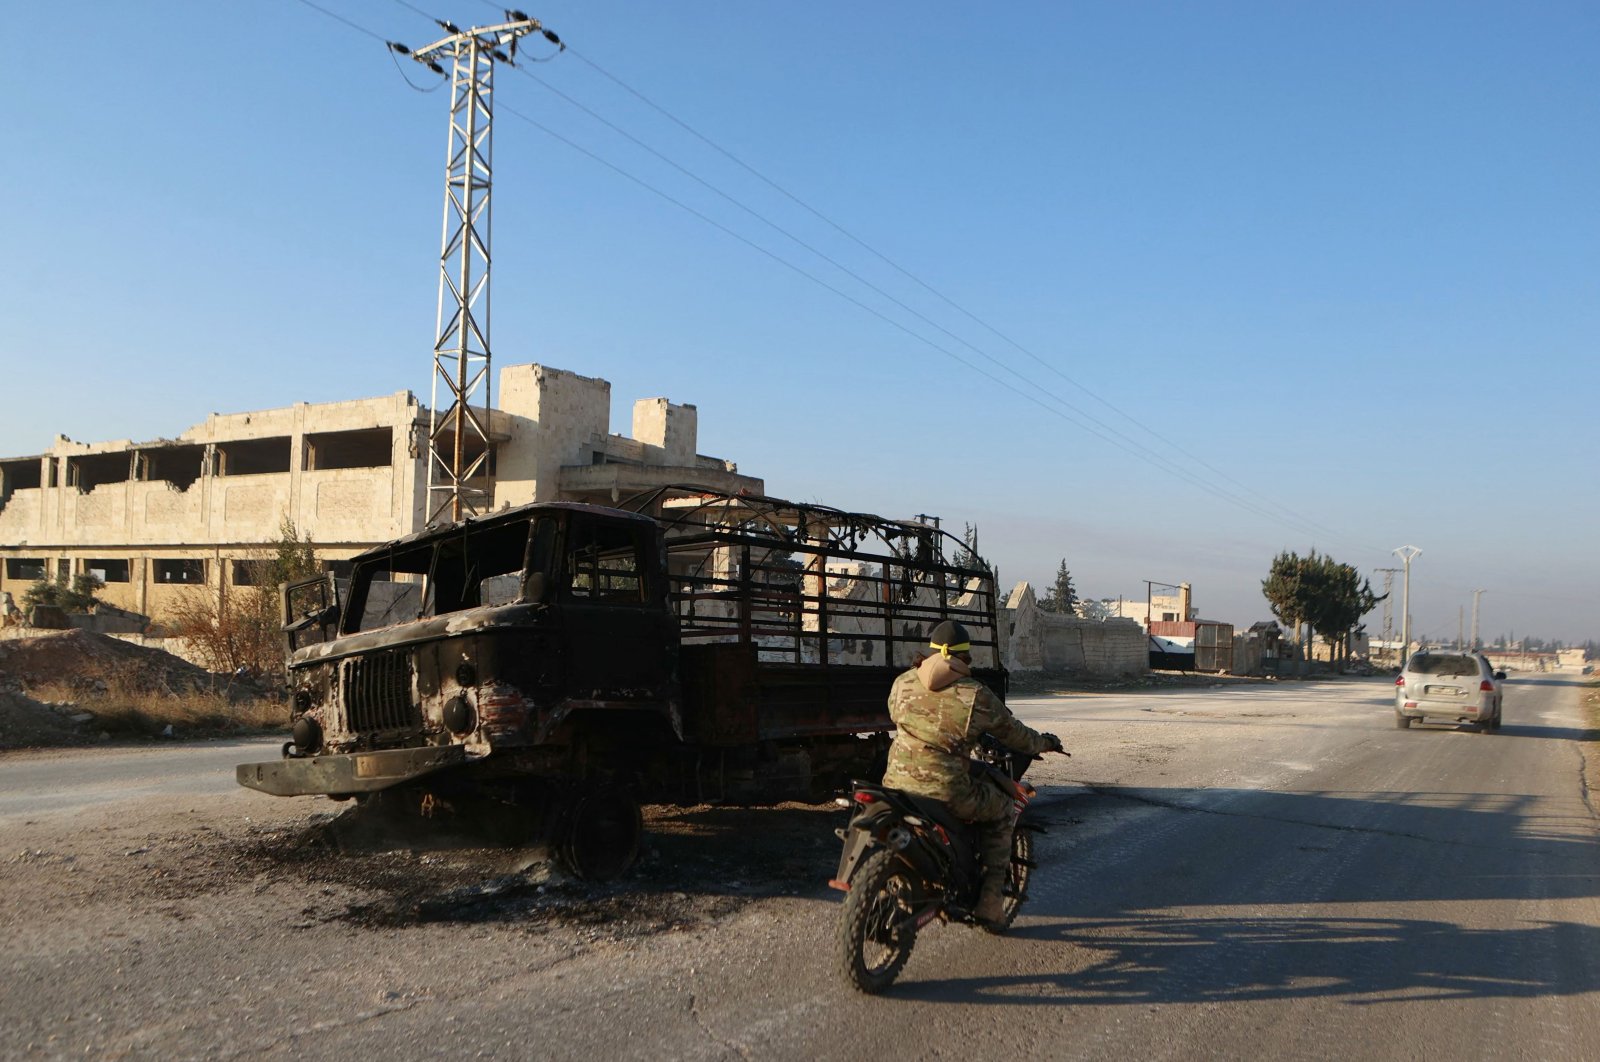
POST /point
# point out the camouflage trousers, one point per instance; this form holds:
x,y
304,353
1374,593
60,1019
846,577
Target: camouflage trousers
x,y
996,817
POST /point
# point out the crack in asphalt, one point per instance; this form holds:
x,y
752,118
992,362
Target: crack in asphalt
x,y
1583,781
711,1034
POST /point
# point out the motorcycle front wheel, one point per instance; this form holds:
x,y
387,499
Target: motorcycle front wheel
x,y
1016,880
878,927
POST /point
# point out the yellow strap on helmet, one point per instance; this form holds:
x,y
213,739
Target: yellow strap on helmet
x,y
946,650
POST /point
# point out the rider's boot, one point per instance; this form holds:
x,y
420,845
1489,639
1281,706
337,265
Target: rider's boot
x,y
991,908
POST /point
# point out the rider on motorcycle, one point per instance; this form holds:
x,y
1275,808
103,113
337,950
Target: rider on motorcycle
x,y
940,711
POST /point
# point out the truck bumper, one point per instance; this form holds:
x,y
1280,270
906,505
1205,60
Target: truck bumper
x,y
344,773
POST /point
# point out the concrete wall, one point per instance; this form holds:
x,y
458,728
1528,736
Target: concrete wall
x,y
668,429
1037,640
553,418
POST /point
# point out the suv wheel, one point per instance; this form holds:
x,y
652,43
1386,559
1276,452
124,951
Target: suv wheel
x,y
1402,721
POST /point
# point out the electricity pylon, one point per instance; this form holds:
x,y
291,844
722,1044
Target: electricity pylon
x,y
458,440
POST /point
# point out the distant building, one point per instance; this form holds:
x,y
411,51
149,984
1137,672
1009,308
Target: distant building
x,y
150,519
1154,608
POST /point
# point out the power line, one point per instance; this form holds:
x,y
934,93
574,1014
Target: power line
x,y
843,268
340,18
393,48
647,101
1083,420
1178,473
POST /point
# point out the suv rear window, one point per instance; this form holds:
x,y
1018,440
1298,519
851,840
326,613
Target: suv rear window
x,y
1443,664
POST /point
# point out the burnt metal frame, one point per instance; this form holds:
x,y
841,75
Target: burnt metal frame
x,y
745,522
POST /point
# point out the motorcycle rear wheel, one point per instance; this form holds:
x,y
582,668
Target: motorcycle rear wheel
x,y
877,930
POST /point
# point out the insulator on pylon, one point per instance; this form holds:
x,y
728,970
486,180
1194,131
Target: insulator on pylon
x,y
394,47
436,68
449,27
550,36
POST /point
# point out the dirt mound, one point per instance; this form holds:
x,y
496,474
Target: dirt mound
x,y
27,723
82,659
69,687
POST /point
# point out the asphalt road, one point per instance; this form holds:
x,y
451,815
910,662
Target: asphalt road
x,y
71,780
1267,872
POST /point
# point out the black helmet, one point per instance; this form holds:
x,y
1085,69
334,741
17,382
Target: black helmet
x,y
950,637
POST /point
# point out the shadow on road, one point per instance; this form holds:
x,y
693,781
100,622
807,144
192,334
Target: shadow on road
x,y
1513,729
1141,912
1218,960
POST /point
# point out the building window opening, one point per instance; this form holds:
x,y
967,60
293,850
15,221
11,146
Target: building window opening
x,y
107,569
471,450
91,470
18,475
27,569
177,465
253,457
248,572
191,572
368,448
341,569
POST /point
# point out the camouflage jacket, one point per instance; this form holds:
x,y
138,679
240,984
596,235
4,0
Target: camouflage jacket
x,y
939,715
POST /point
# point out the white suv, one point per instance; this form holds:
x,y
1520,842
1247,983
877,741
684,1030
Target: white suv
x,y
1439,686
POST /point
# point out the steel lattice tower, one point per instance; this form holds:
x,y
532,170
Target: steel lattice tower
x,y
458,439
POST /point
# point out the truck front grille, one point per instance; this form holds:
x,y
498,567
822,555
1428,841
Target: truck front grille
x,y
376,693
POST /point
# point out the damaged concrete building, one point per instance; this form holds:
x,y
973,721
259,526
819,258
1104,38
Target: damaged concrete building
x,y
152,520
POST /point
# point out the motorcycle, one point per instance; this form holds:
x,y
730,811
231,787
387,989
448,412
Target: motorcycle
x,y
907,861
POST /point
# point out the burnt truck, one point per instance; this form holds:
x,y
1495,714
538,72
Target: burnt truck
x,y
542,671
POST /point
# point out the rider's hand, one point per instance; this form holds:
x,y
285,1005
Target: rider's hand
x,y
1052,743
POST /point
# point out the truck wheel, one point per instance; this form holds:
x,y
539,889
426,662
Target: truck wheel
x,y
598,836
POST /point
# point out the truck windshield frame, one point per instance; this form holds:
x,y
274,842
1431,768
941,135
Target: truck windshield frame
x,y
462,567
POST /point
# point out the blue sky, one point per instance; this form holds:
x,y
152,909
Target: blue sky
x,y
1344,255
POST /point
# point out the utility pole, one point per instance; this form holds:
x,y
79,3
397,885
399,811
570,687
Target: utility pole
x,y
1405,553
459,449
1388,601
1475,645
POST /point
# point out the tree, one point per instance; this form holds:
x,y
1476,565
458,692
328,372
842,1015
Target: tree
x,y
240,628
967,553
1319,592
1062,597
1343,597
76,596
1288,588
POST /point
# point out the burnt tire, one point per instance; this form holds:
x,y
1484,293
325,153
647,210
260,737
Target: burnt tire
x,y
877,929
1016,881
598,835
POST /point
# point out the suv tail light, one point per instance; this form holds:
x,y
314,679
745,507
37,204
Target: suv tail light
x,y
1400,681
1486,686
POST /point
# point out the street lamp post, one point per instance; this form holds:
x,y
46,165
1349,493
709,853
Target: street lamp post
x,y
1405,553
